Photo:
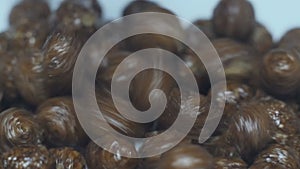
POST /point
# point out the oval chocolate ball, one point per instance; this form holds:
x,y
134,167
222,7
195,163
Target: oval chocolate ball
x,y
186,156
280,73
234,19
62,128
29,11
19,128
250,130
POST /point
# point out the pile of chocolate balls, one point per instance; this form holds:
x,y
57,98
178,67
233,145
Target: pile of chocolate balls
x,y
259,129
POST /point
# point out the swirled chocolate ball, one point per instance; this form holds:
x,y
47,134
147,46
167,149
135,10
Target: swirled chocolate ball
x,y
234,19
62,128
280,72
43,74
277,156
186,156
19,128
68,158
29,11
30,78
97,158
250,130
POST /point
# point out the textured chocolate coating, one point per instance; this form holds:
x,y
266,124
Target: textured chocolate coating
x,y
277,157
29,11
173,107
261,39
226,163
48,72
18,128
97,158
186,156
280,72
33,157
234,95
234,19
250,130
68,158
284,118
58,117
30,78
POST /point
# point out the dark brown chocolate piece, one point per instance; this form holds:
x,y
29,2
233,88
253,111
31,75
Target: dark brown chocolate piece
x,y
19,128
186,156
62,128
250,130
234,19
29,11
280,72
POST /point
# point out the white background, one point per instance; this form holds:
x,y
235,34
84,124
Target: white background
x,y
278,15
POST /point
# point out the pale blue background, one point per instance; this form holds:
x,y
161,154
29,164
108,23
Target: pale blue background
x,y
278,15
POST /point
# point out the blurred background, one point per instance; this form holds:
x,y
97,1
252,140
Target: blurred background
x,y
278,16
